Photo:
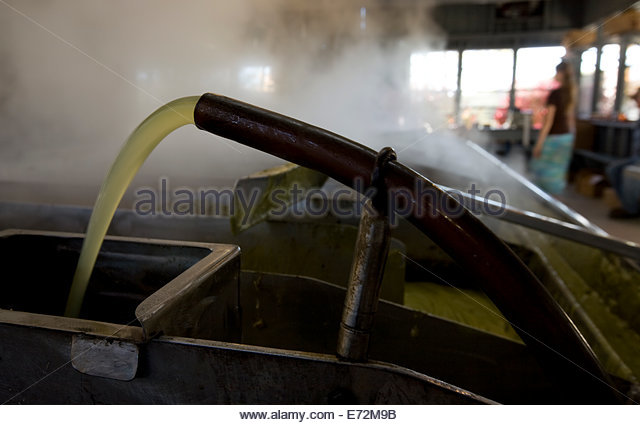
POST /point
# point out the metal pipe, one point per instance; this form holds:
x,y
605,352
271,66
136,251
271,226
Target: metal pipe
x,y
540,194
548,225
365,282
519,295
367,268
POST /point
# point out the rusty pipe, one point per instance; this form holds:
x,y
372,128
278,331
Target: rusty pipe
x,y
365,283
522,299
367,267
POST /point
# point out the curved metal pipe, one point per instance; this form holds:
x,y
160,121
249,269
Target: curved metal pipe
x,y
519,295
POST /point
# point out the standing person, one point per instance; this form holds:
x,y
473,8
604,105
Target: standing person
x,y
552,152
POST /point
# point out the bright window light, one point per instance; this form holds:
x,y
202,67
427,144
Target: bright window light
x,y
609,61
436,71
633,69
486,82
588,61
610,57
486,70
536,66
535,69
256,78
631,82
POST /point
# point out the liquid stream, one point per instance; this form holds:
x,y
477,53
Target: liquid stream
x,y
135,151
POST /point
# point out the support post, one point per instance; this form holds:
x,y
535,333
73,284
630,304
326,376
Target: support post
x,y
367,269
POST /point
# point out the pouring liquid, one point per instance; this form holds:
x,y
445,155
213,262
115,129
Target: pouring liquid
x,y
135,151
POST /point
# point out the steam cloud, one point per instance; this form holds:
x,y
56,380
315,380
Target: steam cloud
x,y
63,116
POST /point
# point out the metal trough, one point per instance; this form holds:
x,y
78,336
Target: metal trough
x,y
189,341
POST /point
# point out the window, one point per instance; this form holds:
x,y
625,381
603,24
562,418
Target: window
x,y
485,84
535,69
609,61
433,78
587,72
256,78
631,82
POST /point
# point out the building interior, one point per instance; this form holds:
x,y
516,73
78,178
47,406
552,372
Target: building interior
x,y
328,202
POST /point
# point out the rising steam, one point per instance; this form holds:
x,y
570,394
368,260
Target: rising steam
x,y
77,77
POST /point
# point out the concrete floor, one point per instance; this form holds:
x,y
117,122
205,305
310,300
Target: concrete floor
x,y
596,211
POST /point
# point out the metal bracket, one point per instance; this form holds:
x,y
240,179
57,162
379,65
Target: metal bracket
x,y
367,268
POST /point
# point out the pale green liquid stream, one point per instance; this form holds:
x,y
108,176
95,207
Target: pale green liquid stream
x,y
135,151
